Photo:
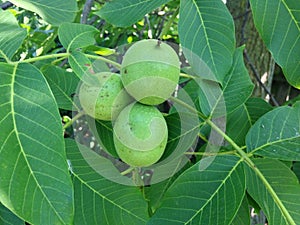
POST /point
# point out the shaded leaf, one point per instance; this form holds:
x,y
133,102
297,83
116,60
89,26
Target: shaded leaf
x,y
34,170
8,218
97,199
240,120
238,124
11,35
54,12
74,35
63,85
296,169
276,134
256,108
280,197
192,88
155,192
206,31
278,23
198,195
236,89
103,133
243,215
114,11
237,85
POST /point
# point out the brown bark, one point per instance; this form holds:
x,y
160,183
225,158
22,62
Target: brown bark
x,y
257,58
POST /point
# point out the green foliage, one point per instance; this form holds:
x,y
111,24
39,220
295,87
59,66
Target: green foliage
x,y
114,11
226,149
34,172
11,34
54,12
212,40
279,187
278,24
119,204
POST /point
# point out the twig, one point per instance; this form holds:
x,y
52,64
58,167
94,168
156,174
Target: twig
x,y
245,19
86,11
257,77
6,5
169,23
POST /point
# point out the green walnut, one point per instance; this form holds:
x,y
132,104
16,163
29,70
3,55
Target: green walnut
x,y
105,98
150,71
140,135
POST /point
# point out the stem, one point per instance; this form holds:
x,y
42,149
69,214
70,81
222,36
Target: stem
x,y
43,57
127,171
169,24
70,122
117,65
5,57
211,154
201,115
187,75
250,163
58,60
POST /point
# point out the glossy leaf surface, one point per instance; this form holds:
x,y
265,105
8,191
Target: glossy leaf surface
x,y
34,171
280,198
54,12
206,32
199,194
11,35
99,200
276,134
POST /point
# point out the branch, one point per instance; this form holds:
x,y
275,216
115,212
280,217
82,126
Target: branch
x,y
86,11
6,5
257,77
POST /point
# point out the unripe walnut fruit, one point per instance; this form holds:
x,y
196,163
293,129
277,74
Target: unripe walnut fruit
x,y
105,98
140,135
150,71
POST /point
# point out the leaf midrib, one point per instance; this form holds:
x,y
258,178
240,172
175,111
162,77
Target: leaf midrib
x,y
272,143
104,197
291,14
205,34
14,74
216,192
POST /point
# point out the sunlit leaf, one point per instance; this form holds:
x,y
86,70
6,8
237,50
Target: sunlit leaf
x,y
276,134
278,23
80,64
11,35
34,170
100,50
280,197
74,35
206,32
114,11
203,191
54,11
